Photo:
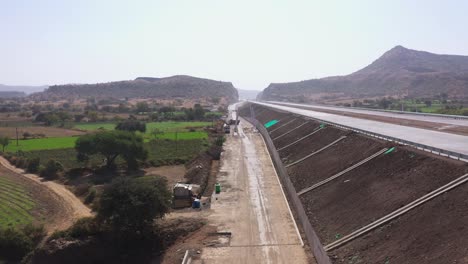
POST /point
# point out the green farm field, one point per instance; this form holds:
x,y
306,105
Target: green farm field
x,y
15,204
160,151
42,144
167,130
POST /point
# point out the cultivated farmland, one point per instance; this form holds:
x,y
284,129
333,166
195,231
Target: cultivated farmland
x,y
164,126
15,204
42,144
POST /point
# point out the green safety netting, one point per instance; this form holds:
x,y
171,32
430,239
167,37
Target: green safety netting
x,y
270,123
389,151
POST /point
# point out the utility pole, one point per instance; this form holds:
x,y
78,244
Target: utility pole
x,y
176,145
17,143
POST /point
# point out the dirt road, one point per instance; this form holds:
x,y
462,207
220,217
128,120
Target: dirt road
x,y
71,208
252,207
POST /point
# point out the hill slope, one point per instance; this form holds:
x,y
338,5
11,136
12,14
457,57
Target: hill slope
x,y
398,72
22,88
179,86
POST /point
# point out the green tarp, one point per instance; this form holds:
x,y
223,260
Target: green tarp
x,y
270,123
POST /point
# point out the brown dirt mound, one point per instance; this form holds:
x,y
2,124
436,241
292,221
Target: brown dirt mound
x,y
375,189
198,170
46,131
282,128
295,135
338,157
265,115
311,144
434,233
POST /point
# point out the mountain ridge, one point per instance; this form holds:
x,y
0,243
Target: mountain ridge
x,y
398,72
178,86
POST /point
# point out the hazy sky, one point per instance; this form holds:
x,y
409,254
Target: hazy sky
x,y
250,43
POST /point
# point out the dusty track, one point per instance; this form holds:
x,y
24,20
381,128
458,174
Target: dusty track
x,y
252,207
67,207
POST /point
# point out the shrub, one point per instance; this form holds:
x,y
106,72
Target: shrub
x,y
16,243
129,206
35,233
220,141
82,188
91,195
33,165
51,169
86,226
21,162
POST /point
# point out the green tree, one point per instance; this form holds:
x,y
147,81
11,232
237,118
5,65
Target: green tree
x,y
142,107
33,165
198,112
112,144
4,141
51,169
131,125
131,205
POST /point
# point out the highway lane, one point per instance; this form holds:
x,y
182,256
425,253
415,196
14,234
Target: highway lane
x,y
411,116
451,142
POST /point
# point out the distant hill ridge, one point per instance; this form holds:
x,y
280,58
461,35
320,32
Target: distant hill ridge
x,y
398,72
11,94
179,86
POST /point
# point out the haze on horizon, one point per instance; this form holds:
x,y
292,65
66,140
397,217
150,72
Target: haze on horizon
x,y
250,43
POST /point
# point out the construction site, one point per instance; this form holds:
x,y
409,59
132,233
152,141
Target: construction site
x,y
361,198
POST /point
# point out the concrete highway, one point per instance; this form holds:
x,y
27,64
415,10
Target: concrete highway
x,y
447,141
411,116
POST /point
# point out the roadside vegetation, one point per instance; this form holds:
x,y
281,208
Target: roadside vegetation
x,y
99,151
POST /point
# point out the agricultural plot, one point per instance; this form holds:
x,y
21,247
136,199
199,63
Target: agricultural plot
x,y
41,144
160,151
38,130
163,126
15,204
179,135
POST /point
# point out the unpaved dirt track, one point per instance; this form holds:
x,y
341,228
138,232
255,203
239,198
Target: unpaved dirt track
x,y
71,207
252,207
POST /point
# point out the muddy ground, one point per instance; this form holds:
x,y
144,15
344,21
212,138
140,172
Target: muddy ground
x,y
311,144
375,189
286,127
304,130
435,233
334,159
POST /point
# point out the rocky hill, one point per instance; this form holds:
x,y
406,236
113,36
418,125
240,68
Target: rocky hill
x,y
22,88
399,72
11,94
179,86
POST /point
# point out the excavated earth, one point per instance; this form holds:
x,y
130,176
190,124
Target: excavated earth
x,y
435,232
